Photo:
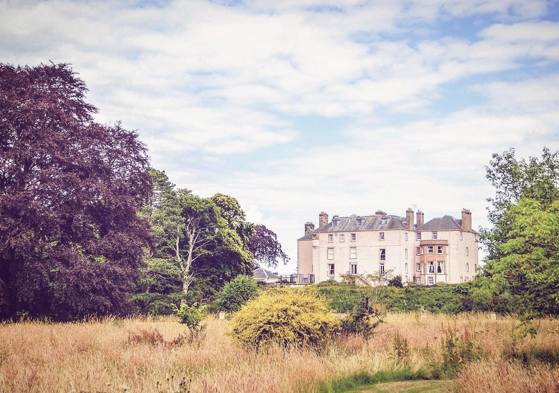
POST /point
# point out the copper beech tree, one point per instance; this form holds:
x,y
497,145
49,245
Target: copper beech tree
x,y
71,238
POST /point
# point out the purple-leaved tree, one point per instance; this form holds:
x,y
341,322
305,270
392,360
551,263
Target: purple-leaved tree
x,y
71,238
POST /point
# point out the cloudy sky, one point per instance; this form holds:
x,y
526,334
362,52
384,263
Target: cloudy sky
x,y
298,106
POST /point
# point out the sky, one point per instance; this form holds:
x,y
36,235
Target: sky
x,y
300,106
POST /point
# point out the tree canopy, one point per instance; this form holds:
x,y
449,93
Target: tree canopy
x,y
522,268
71,239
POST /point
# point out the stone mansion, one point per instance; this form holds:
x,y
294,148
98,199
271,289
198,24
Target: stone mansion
x,y
441,250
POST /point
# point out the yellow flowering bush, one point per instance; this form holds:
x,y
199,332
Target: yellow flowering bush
x,y
286,317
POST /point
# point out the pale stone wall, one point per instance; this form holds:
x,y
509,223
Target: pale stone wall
x,y
304,257
459,267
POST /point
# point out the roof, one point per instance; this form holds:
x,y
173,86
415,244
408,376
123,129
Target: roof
x,y
263,274
445,223
308,236
355,223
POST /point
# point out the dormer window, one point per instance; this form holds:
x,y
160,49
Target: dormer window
x,y
381,235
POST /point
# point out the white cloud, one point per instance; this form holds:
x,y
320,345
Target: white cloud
x,y
211,83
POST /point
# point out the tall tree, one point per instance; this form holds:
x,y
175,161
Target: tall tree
x,y
513,178
264,245
520,251
71,239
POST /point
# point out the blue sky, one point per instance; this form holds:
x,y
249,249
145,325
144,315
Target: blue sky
x,y
299,106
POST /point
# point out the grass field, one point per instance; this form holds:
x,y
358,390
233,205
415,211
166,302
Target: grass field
x,y
142,355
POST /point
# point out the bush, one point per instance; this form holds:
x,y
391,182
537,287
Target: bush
x,y
288,318
236,293
458,351
363,320
192,316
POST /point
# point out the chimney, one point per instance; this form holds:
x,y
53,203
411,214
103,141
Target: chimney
x,y
466,220
409,219
419,218
309,227
322,219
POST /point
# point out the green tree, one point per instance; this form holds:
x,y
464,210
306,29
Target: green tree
x,y
513,179
519,271
527,267
236,293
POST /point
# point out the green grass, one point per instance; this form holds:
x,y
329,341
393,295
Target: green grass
x,y
363,380
407,387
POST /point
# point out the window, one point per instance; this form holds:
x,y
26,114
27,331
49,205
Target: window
x,y
430,280
381,268
406,269
342,238
383,254
418,236
467,267
440,267
353,268
467,251
330,254
439,249
430,250
331,269
381,235
435,235
406,253
405,236
353,237
431,267
330,237
418,251
353,253
418,267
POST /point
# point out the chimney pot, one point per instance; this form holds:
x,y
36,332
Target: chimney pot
x,y
419,218
309,227
466,220
322,219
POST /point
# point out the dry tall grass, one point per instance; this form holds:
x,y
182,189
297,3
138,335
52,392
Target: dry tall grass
x,y
129,356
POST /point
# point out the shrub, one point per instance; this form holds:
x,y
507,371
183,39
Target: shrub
x,y
458,351
192,316
401,348
363,320
396,282
288,318
236,293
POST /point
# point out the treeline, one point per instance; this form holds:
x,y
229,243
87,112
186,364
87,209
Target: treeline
x,y
448,299
87,228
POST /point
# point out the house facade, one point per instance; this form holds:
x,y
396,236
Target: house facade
x,y
441,250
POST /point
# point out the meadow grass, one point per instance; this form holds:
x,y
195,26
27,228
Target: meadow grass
x,y
152,355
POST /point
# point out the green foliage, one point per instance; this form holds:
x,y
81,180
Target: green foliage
x,y
159,290
525,271
396,281
192,316
363,320
236,293
401,348
458,350
285,317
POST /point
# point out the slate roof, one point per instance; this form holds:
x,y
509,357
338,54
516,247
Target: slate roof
x,y
382,222
355,223
263,274
308,236
445,223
